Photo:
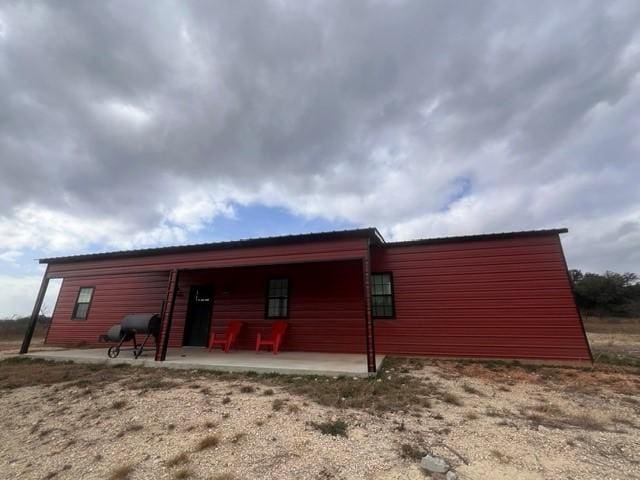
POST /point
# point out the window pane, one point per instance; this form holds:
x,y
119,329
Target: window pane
x,y
85,295
81,310
277,307
277,297
278,287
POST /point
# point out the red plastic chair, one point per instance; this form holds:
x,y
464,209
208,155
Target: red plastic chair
x,y
226,342
277,334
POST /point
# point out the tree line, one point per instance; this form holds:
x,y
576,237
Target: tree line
x,y
612,294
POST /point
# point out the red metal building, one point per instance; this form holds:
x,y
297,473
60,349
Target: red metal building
x,y
505,295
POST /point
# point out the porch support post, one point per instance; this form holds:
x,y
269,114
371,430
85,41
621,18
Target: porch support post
x,y
167,317
369,327
35,313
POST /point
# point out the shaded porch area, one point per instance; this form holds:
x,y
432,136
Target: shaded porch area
x,y
195,358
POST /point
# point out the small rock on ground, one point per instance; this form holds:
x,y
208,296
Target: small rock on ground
x,y
434,464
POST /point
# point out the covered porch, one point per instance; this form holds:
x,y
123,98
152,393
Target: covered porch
x,y
194,358
323,297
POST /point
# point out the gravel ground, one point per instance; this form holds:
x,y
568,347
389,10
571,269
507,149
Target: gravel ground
x,y
490,421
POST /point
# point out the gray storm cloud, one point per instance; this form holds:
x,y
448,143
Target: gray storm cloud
x,y
424,118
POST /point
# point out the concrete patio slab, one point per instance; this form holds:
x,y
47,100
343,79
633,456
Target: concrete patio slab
x,y
297,363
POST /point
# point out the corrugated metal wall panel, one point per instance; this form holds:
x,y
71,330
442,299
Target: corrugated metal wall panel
x,y
114,297
495,298
504,298
326,309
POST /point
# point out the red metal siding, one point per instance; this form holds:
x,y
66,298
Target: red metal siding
x,y
326,312
125,285
502,298
114,297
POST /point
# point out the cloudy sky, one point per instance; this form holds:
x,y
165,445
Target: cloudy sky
x,y
132,124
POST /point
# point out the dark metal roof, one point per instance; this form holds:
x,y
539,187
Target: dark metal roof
x,y
371,233
484,236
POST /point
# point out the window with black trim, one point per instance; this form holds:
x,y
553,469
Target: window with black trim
x,y
83,302
277,298
382,295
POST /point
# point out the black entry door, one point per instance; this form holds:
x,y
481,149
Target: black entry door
x,y
196,330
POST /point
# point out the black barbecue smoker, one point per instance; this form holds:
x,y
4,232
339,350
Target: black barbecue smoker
x,y
147,324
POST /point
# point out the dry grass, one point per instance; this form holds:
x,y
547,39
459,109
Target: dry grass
x,y
180,459
278,404
224,476
552,416
410,451
336,428
470,389
452,399
502,458
208,442
247,389
398,391
122,473
238,437
118,404
183,473
612,325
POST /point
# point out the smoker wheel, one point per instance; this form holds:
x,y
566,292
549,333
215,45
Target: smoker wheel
x,y
113,352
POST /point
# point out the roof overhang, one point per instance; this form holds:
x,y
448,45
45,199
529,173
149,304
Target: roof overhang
x,y
365,233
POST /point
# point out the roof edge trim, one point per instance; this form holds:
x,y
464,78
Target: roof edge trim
x,y
479,237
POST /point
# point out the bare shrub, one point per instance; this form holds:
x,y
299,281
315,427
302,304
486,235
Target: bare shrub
x,y
122,473
210,441
410,451
470,389
183,473
180,459
452,399
335,428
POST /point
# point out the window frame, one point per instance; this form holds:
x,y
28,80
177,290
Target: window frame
x,y
391,295
74,312
268,297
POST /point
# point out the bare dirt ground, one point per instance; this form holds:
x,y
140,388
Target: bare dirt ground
x,y
490,420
